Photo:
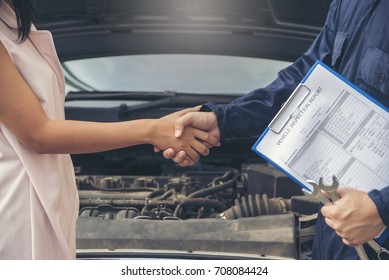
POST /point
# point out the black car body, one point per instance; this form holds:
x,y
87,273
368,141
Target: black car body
x,y
135,203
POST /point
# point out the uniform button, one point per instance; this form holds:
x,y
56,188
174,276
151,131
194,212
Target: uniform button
x,y
381,78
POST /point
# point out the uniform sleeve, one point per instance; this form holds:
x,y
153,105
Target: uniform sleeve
x,y
381,200
248,115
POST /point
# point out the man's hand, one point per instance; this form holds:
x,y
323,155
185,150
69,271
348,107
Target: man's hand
x,y
205,121
191,141
354,217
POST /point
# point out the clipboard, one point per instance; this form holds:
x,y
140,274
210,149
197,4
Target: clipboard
x,y
289,109
323,129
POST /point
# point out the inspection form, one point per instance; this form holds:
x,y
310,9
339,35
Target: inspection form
x,y
329,127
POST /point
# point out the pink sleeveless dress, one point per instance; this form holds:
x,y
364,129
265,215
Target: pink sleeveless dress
x,y
38,196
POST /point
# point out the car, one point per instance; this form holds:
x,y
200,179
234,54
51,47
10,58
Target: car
x,y
130,59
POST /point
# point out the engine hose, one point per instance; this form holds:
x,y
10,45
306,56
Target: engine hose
x,y
215,188
211,190
156,193
253,206
169,193
223,178
164,194
203,202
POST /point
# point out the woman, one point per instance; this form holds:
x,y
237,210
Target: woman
x,y
38,196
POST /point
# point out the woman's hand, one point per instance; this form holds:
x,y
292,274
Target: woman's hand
x,y
205,121
193,142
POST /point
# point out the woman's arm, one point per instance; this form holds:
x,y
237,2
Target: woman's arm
x,y
22,113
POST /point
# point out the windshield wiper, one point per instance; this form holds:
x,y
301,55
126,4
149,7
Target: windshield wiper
x,y
150,100
120,95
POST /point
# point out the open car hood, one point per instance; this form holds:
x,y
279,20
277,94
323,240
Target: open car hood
x,y
256,28
135,203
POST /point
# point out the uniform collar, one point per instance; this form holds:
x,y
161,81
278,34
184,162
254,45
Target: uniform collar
x,y
7,15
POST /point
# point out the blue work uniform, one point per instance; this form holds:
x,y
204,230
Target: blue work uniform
x,y
355,42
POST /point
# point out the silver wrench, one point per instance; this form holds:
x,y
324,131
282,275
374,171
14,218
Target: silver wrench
x,y
316,193
381,251
332,192
330,189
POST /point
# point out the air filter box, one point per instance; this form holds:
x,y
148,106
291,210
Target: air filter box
x,y
266,179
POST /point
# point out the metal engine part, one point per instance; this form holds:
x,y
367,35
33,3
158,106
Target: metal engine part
x,y
196,211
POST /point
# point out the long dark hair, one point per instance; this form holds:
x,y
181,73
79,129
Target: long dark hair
x,y
24,14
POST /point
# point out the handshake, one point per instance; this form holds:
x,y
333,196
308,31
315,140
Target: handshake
x,y
194,134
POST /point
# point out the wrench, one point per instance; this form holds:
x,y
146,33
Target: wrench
x,y
316,193
381,251
332,191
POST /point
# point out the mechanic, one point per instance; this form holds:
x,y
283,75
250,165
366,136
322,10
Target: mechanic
x,y
354,42
38,196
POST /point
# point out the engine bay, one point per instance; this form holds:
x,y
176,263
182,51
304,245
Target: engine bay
x,y
254,211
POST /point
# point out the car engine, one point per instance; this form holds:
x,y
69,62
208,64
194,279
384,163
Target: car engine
x,y
254,211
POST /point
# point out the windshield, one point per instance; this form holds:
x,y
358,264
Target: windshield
x,y
187,73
